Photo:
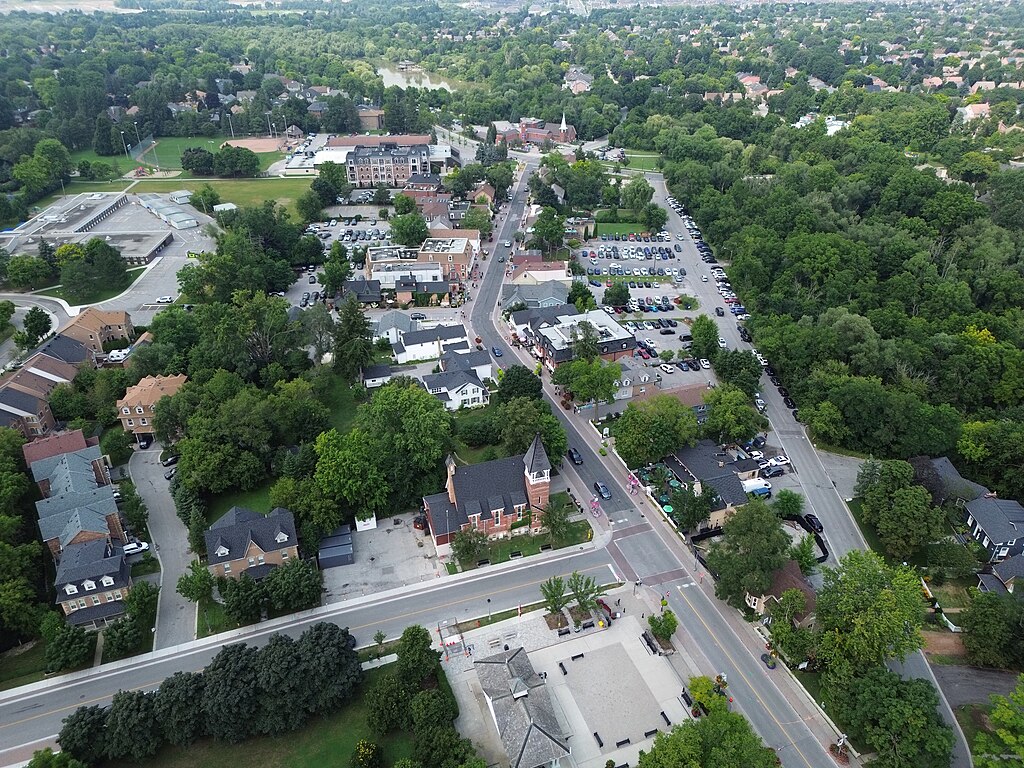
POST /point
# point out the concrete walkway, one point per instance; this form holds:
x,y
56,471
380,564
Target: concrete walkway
x,y
176,616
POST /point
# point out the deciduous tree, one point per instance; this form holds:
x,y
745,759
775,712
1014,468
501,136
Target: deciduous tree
x,y
178,707
731,418
132,729
83,734
518,381
752,547
650,429
554,594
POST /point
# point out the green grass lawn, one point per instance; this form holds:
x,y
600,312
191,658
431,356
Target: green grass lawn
x,y
954,593
618,229
99,296
23,668
212,619
463,419
643,161
973,719
147,565
241,192
500,550
870,536
257,499
341,402
328,741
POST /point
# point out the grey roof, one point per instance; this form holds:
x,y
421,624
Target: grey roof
x,y
380,371
533,295
442,332
66,525
451,381
65,348
1010,568
240,526
744,465
953,484
91,561
702,462
92,613
20,401
536,458
464,361
989,582
424,178
394,319
523,711
1001,519
68,472
102,495
479,490
365,291
538,315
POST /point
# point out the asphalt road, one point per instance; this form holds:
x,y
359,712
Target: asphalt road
x,y
643,547
28,719
176,616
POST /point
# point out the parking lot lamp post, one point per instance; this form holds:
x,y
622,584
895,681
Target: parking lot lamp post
x,y
124,145
137,139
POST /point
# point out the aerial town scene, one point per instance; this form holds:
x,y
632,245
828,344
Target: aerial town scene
x,y
583,384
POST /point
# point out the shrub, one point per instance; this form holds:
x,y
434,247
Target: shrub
x,y
367,754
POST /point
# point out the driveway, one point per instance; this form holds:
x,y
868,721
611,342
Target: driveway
x,y
176,616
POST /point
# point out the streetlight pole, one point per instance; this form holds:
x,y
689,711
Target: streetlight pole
x,y
488,610
137,139
124,145
231,124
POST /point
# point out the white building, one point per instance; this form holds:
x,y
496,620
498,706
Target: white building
x,y
430,344
457,389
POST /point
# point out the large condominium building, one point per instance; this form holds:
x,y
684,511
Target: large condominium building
x,y
388,164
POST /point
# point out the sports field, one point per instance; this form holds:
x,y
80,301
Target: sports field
x,y
241,192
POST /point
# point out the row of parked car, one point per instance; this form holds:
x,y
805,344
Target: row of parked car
x,y
629,253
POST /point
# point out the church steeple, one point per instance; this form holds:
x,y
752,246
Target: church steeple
x,y
563,127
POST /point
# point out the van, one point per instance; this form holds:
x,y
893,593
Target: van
x,y
117,355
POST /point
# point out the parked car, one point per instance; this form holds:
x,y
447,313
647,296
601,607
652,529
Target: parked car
x,y
575,456
719,311
170,461
705,363
169,474
815,523
602,490
165,300
770,472
778,461
136,547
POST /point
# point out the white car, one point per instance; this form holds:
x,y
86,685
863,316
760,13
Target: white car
x,y
778,461
165,300
507,243
667,368
761,406
722,343
136,547
705,363
649,342
703,278
757,455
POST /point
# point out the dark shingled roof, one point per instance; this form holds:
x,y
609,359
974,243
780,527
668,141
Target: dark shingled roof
x,y
953,484
239,526
93,613
702,462
1001,519
536,458
65,348
442,332
376,371
20,401
91,561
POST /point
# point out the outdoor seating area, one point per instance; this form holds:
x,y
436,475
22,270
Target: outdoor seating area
x,y
661,482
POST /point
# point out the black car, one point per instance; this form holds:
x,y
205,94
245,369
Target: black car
x,y
775,381
667,332
682,366
769,472
789,402
815,523
770,371
602,490
144,443
719,311
575,456
170,461
169,474
783,391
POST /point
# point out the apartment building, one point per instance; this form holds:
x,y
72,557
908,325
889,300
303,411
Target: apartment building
x,y
390,164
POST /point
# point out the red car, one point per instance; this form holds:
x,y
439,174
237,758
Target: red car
x,y
644,355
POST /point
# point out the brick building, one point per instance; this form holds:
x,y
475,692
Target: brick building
x,y
493,497
247,542
389,164
94,327
136,408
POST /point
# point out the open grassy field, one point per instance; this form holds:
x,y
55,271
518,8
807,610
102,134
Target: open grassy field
x,y
257,499
323,742
96,298
241,192
643,161
618,229
341,402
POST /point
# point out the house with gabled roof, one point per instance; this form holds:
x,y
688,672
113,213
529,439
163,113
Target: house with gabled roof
x,y
784,579
243,541
709,466
522,710
93,578
457,389
493,497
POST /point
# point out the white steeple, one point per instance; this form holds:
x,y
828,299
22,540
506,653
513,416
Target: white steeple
x,y
563,127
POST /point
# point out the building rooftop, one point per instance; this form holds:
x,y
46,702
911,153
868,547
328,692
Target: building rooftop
x,y
229,537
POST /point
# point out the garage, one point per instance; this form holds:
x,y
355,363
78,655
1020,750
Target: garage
x,y
336,549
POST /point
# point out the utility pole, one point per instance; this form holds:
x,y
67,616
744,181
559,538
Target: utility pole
x,y
137,139
125,146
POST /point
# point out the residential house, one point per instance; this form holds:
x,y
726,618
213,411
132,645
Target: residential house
x,y
530,268
522,710
553,293
493,497
954,487
577,81
457,389
428,344
24,393
93,578
374,376
370,118
95,327
136,408
56,444
365,291
483,192
973,112
243,541
423,182
997,524
709,466
633,381
79,504
784,579
1004,575
476,361
392,325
